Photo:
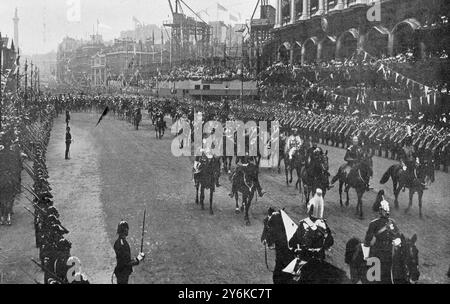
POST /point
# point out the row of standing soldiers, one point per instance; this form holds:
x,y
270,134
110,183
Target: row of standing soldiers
x,y
54,248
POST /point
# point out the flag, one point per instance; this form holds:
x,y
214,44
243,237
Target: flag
x,y
221,8
105,112
233,18
289,225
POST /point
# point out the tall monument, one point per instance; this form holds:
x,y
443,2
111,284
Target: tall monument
x,y
16,30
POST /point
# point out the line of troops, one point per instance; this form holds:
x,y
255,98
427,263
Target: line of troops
x,y
54,249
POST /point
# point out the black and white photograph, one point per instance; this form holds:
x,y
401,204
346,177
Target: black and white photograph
x,y
210,143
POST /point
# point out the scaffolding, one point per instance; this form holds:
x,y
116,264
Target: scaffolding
x,y
190,36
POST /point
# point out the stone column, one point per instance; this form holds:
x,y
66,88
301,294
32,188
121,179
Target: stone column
x,y
390,48
321,9
305,13
279,21
293,12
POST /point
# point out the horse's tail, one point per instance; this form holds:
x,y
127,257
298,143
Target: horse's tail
x,y
350,249
389,173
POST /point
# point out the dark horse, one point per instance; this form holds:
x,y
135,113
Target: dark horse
x,y
160,126
315,175
355,177
404,267
314,272
414,180
245,180
205,178
296,163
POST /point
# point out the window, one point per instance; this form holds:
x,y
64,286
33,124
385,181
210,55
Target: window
x,y
206,87
197,87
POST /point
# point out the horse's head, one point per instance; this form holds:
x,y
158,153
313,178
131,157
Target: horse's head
x,y
410,258
273,232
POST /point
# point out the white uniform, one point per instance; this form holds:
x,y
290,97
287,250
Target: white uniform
x,y
293,143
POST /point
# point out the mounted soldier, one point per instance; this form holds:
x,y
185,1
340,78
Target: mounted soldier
x,y
354,156
313,236
248,167
387,236
293,143
408,158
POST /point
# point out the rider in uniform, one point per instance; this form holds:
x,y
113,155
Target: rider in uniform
x,y
125,263
387,235
408,158
293,143
246,166
313,235
354,155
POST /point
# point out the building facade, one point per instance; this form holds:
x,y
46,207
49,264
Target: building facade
x,y
309,31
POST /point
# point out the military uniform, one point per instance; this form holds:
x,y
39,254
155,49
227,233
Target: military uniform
x,y
385,231
353,155
125,263
68,142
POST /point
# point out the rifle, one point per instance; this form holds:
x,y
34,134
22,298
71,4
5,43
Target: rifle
x,y
45,269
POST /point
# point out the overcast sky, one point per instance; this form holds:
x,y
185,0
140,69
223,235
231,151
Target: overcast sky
x,y
43,23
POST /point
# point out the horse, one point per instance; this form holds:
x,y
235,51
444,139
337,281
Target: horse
x,y
315,175
414,181
296,163
314,272
355,177
247,187
404,268
205,177
160,126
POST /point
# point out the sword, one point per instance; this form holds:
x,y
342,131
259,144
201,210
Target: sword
x,y
143,231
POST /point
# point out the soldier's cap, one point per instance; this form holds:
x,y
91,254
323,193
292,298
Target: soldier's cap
x,y
53,219
45,195
58,229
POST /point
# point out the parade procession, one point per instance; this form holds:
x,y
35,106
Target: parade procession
x,y
203,142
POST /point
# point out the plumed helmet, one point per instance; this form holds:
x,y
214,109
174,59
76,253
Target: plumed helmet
x,y
123,225
316,205
384,205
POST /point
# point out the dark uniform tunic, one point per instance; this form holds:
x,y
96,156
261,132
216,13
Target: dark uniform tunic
x,y
125,264
384,230
353,155
68,142
314,237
